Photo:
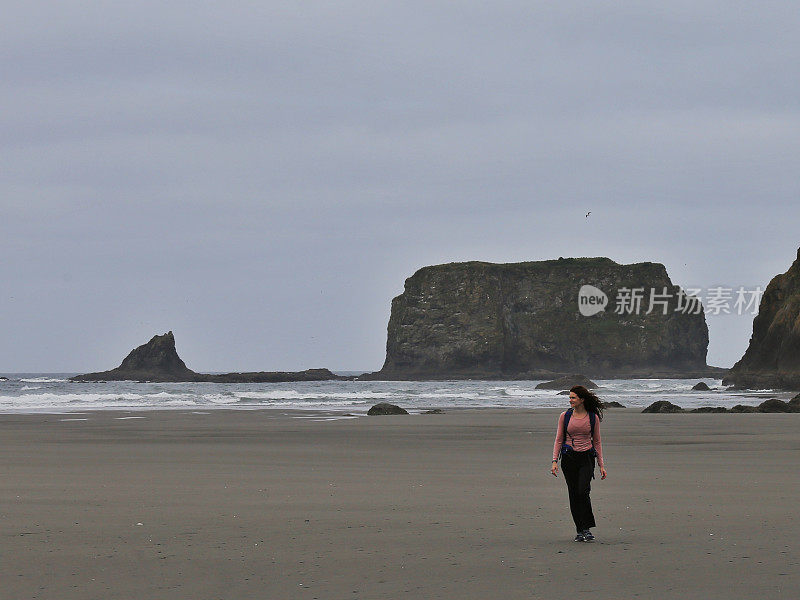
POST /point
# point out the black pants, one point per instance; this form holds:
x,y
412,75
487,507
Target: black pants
x,y
578,469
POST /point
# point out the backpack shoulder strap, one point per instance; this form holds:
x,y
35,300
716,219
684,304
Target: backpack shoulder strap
x,y
567,417
592,418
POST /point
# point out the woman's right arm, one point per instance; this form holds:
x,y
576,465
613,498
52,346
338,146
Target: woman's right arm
x,y
557,445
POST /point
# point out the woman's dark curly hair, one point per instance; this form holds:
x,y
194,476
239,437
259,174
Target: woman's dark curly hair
x,y
590,400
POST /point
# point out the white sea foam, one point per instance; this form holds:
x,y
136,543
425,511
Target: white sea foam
x,y
218,399
524,393
448,395
316,395
312,405
333,397
66,398
43,380
91,401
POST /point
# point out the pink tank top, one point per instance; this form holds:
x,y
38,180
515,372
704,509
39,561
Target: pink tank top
x,y
579,436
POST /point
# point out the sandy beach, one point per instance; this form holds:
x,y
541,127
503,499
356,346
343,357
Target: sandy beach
x,y
263,504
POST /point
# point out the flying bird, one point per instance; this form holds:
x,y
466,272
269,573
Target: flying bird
x,y
588,213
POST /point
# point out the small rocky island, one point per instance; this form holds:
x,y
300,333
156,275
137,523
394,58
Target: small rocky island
x,y
157,360
772,360
522,321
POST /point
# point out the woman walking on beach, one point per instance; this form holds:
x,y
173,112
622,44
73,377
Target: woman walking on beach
x,y
580,425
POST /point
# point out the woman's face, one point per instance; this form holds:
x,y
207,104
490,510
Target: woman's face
x,y
575,400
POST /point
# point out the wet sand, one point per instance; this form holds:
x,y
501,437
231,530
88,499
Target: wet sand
x,y
260,504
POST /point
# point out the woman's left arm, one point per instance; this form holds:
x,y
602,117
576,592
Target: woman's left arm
x,y
598,446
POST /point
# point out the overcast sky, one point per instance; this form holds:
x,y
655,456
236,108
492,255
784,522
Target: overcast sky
x,y
261,177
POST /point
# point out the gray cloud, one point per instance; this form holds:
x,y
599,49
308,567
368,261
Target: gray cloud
x,y
261,178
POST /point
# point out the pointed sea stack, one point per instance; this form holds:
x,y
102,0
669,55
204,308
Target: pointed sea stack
x,y
157,360
772,359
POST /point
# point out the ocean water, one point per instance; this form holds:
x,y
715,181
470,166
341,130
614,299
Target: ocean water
x,y
54,393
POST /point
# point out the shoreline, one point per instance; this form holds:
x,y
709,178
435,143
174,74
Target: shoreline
x,y
749,399
46,395
328,414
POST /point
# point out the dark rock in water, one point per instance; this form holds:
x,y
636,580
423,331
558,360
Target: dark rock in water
x,y
773,405
701,387
3,378
509,321
566,382
157,360
434,411
772,360
274,376
795,401
663,406
710,409
743,408
613,404
384,408
564,393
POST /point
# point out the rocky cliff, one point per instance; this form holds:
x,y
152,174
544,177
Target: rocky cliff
x,y
772,359
158,360
522,320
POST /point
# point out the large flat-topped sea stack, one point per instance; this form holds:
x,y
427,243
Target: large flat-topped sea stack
x,y
157,360
772,360
523,320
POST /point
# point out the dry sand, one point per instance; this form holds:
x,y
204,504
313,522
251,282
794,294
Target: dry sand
x,y
259,504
